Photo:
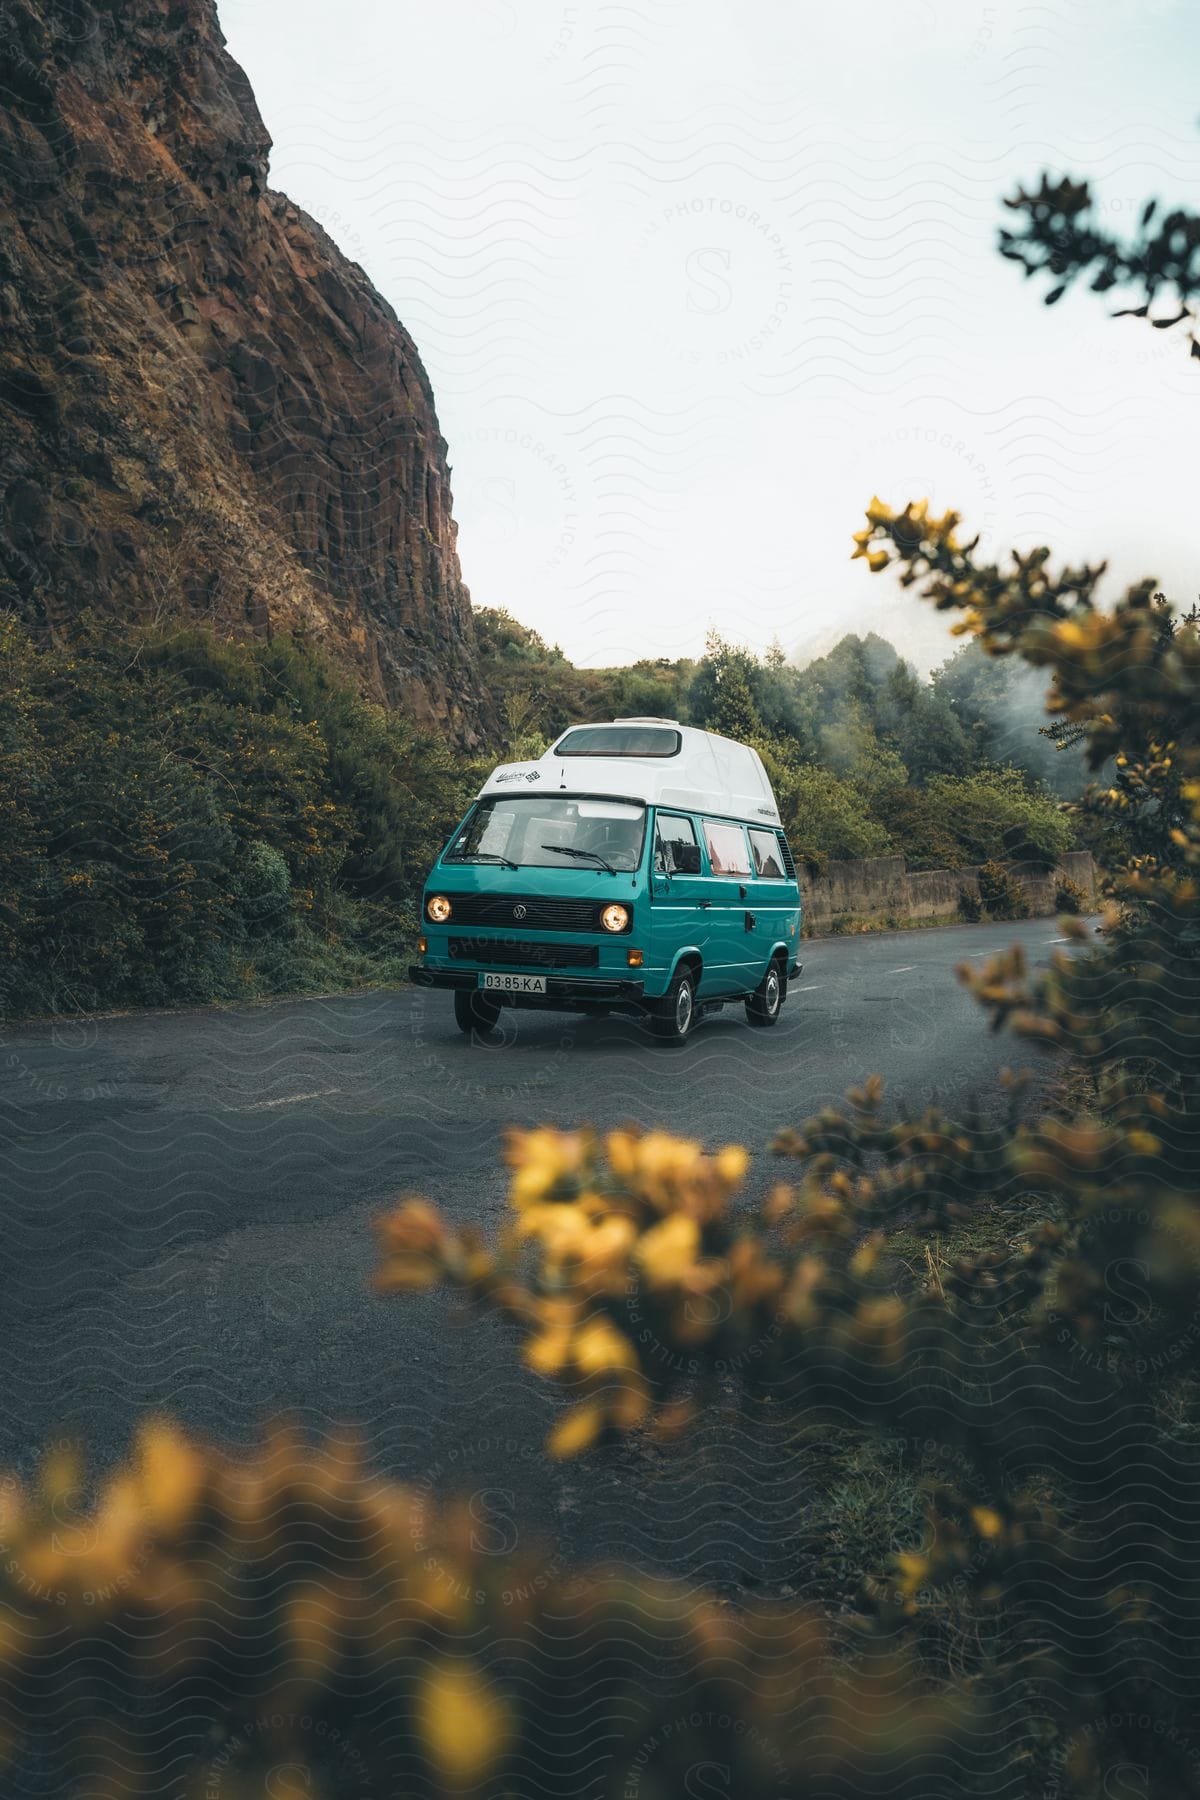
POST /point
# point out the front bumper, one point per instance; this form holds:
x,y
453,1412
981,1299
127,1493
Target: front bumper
x,y
562,991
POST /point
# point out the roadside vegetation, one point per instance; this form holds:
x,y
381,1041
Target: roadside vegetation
x,y
187,818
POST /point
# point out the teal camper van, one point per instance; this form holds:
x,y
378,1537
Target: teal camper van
x,y
638,866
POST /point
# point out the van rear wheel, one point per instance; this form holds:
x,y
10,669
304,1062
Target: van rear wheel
x,y
764,1004
474,1012
675,1014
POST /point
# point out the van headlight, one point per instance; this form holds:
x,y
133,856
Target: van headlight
x,y
437,909
615,917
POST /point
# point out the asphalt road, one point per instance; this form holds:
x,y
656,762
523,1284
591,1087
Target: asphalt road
x,y
188,1199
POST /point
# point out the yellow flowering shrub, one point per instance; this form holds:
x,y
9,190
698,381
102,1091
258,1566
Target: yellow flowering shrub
x,y
286,1623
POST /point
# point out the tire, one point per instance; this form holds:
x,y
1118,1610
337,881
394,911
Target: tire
x,y
473,1012
675,1014
764,1005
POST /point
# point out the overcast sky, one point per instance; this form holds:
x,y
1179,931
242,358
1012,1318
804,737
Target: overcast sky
x,y
693,278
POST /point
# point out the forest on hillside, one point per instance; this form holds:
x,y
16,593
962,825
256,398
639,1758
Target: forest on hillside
x,y
867,758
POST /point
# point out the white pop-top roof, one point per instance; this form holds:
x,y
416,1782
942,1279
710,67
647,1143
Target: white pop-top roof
x,y
709,774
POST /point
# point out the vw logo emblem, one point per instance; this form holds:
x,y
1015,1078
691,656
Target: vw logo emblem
x,y
519,912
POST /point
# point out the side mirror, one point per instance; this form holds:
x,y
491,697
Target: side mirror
x,y
686,858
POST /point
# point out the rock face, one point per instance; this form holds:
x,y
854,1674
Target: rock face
x,y
205,409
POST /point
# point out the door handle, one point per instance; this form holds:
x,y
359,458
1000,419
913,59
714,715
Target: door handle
x,y
704,903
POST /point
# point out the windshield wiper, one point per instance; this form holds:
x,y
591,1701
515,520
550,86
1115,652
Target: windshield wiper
x,y
570,850
489,856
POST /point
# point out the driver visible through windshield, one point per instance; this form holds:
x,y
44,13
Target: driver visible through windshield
x,y
548,832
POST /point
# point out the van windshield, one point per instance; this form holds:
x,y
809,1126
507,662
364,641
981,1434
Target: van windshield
x,y
546,831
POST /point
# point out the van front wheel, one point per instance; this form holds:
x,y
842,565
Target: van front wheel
x,y
474,1012
763,1005
675,1014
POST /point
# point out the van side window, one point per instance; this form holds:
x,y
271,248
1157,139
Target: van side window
x,y
726,848
768,858
672,832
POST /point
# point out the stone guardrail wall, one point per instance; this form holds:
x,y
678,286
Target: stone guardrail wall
x,y
874,889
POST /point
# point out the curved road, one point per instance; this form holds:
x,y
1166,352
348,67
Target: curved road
x,y
188,1199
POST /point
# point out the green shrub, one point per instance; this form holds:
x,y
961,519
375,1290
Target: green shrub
x,y
1069,897
264,887
1001,894
186,817
970,906
824,815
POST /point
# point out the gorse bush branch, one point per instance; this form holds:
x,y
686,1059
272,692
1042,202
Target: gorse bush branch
x,y
1059,237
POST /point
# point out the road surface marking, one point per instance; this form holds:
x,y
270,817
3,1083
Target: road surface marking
x,y
287,1100
904,969
810,989
1058,940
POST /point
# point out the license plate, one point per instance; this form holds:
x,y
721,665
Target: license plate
x,y
514,984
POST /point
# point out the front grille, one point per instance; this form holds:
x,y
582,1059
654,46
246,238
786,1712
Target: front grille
x,y
523,956
543,912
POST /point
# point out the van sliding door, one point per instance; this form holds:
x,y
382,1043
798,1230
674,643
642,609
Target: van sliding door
x,y
735,946
679,896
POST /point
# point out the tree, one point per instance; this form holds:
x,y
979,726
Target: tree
x,y
999,706
823,815
721,696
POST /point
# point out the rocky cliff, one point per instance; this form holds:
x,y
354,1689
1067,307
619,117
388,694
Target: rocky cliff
x,y
204,407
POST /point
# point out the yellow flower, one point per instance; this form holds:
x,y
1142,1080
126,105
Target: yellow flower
x,y
731,1164
599,1347
987,1521
564,1230
171,1473
914,1571
621,1148
666,1165
406,1275
669,1248
412,1240
630,1406
547,1353
608,1245
576,1431
462,1724
866,1256
542,1160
